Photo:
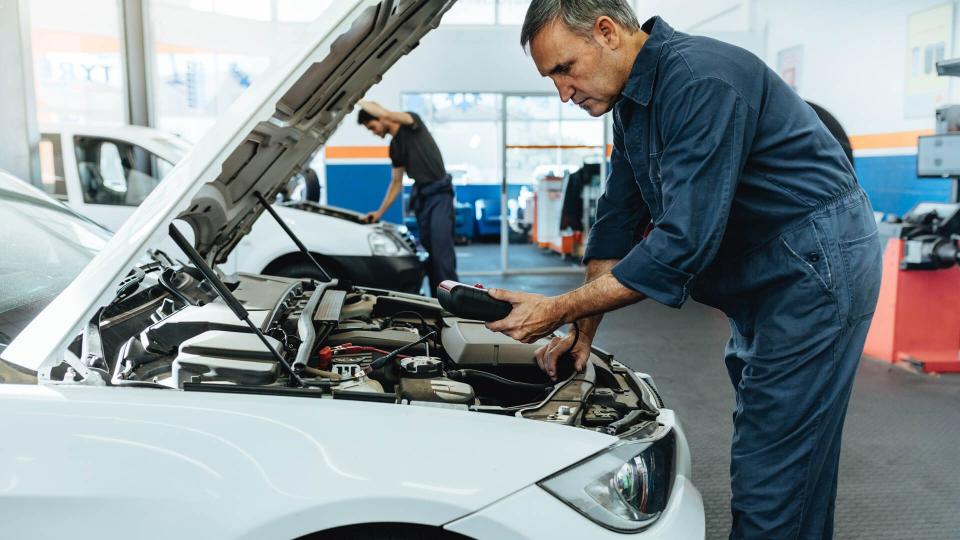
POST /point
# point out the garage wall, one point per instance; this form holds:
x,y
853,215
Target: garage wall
x,y
487,59
855,65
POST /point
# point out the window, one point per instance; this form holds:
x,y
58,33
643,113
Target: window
x,y
116,172
45,246
198,75
466,127
51,166
76,61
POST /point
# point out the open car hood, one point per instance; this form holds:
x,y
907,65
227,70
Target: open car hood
x,y
268,134
308,112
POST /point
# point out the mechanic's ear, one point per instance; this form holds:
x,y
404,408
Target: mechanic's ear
x,y
607,33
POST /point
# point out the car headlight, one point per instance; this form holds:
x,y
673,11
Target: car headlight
x,y
624,488
382,244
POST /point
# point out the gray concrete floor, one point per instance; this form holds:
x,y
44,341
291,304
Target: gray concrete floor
x,y
899,473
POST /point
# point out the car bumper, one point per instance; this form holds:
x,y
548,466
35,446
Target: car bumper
x,y
403,273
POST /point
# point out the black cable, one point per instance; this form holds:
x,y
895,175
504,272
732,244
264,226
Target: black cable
x,y
466,373
380,362
411,312
425,327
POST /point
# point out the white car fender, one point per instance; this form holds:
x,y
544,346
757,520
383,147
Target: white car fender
x,y
321,234
151,463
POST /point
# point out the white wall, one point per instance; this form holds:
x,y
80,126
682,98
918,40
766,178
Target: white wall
x,y
854,56
699,16
854,60
854,51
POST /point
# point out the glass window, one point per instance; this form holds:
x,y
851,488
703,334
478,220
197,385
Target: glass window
x,y
546,137
116,172
51,166
45,245
76,61
466,127
198,75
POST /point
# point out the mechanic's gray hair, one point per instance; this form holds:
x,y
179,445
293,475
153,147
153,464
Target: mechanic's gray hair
x,y
578,15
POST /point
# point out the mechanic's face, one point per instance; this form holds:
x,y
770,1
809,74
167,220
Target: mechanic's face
x,y
585,69
377,127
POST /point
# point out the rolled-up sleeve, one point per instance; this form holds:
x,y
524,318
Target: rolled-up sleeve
x,y
705,127
621,211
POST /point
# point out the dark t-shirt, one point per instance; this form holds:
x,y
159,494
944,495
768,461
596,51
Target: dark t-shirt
x,y
414,149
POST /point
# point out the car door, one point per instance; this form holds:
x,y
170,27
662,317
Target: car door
x,y
112,177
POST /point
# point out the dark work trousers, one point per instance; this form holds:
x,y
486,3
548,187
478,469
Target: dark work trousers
x,y
799,307
433,206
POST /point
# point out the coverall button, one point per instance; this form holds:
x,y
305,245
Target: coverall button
x,y
813,257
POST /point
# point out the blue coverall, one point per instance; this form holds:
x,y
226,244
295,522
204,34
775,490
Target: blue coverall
x,y
725,186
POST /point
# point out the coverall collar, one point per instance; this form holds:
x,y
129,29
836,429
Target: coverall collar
x,y
639,85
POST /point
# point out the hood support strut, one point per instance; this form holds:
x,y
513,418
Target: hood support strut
x,y
291,234
230,299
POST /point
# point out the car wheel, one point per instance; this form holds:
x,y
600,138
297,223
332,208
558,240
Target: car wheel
x,y
306,270
385,531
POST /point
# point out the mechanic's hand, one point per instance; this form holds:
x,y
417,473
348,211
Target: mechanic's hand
x,y
533,316
550,354
372,217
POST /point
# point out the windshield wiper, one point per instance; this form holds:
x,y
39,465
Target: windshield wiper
x,y
230,300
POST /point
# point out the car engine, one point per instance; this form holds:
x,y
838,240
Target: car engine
x,y
169,329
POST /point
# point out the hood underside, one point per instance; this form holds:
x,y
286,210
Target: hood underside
x,y
265,137
225,209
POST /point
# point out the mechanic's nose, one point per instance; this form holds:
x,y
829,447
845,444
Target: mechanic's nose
x,y
565,90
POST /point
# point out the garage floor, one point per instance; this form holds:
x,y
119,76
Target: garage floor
x,y
900,468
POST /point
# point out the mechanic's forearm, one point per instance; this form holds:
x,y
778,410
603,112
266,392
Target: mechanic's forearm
x,y
390,197
396,185
595,268
600,294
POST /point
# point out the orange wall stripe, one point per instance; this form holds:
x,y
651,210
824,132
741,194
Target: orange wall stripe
x,y
899,139
357,152
550,146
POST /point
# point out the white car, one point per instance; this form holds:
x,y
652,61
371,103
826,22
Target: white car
x,y
105,172
158,399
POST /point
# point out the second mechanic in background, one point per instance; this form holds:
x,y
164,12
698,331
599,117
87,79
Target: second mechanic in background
x,y
414,152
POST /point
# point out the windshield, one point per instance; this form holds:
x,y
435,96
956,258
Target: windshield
x,y
45,246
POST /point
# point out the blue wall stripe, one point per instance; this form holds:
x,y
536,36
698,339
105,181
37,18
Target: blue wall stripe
x,y
361,187
890,181
893,185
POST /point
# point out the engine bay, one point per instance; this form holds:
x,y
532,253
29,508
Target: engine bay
x,y
168,328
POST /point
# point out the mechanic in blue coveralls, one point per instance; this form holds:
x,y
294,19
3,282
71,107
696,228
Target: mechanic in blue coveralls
x,y
414,151
724,187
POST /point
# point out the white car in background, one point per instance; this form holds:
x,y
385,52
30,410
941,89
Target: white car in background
x,y
160,399
105,172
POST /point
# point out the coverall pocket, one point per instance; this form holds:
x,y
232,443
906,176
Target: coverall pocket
x,y
656,179
805,245
862,264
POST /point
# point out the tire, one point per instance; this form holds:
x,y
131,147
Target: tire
x,y
306,270
385,531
